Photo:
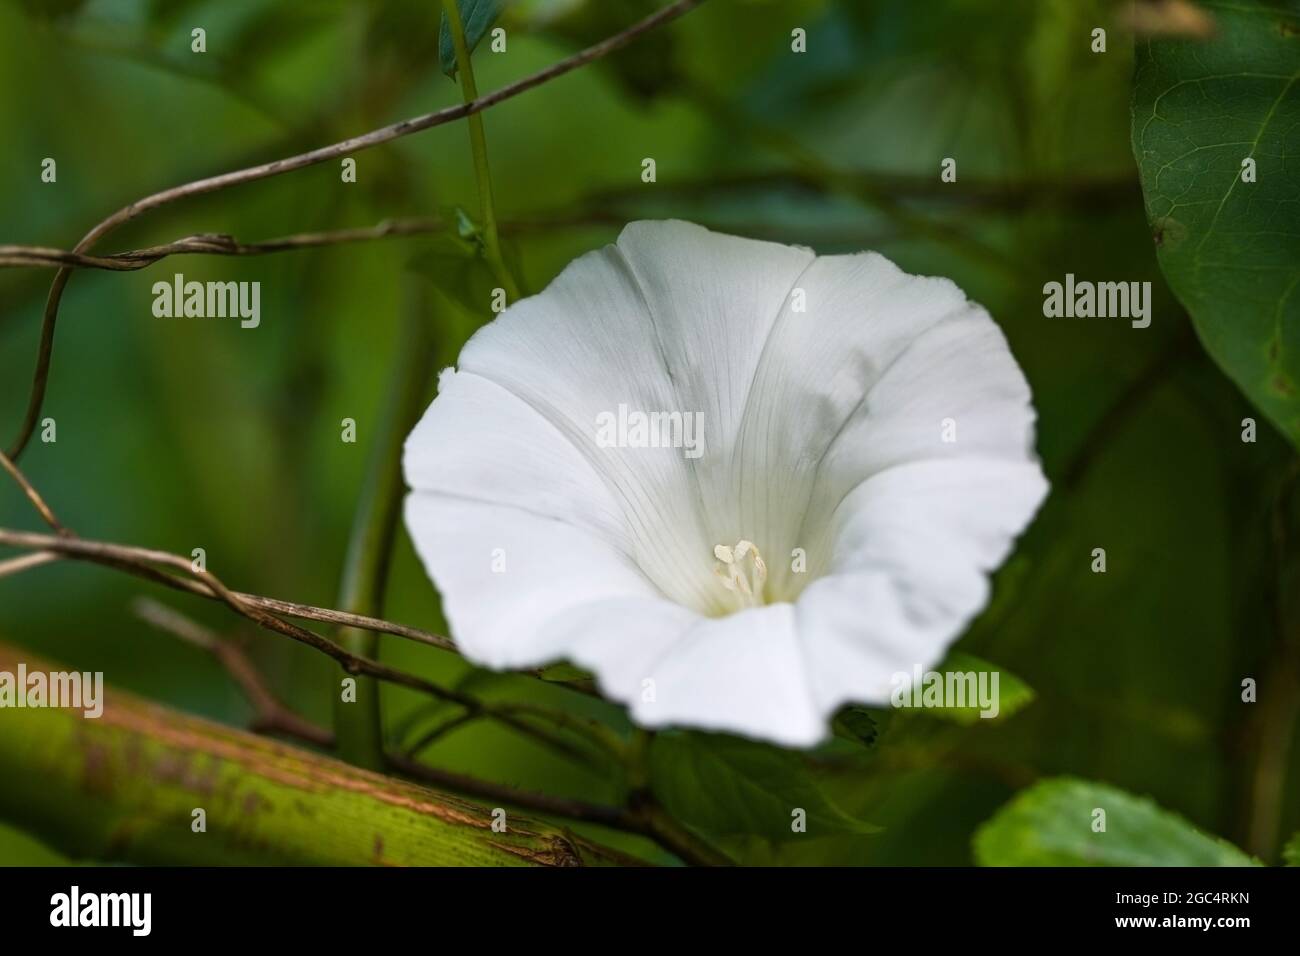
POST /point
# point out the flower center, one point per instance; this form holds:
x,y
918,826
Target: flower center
x,y
741,571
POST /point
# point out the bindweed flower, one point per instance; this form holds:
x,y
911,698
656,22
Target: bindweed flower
x,y
740,483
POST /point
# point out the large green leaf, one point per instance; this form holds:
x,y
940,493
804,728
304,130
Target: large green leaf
x,y
1052,824
477,16
727,786
1230,248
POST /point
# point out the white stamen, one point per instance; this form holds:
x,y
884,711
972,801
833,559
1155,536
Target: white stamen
x,y
731,571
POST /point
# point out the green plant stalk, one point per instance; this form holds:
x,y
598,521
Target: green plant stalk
x,y
123,787
655,820
358,725
478,145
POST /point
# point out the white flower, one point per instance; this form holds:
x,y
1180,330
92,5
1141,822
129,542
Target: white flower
x,y
831,533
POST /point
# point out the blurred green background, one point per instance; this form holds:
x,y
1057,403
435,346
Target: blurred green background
x,y
177,434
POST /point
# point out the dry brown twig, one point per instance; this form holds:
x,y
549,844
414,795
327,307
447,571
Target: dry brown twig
x,y
144,562
141,561
270,716
213,244
273,717
313,157
180,573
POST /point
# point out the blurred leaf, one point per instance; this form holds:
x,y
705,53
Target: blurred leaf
x,y
1013,693
727,786
1229,248
645,68
1291,853
563,673
1050,824
477,16
855,724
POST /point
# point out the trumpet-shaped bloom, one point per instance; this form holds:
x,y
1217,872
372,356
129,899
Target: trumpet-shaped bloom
x,y
740,483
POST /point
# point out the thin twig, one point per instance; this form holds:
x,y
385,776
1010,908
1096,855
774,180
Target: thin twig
x,y
213,244
40,378
647,819
435,734
23,562
270,715
595,210
44,510
140,561
614,817
18,256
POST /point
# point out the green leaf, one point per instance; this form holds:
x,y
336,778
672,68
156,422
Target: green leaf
x,y
855,724
564,673
1012,692
1230,249
477,16
1051,824
728,786
1291,853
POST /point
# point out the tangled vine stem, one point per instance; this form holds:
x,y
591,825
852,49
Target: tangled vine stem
x,y
602,208
141,561
213,244
644,818
270,716
174,571
199,187
144,562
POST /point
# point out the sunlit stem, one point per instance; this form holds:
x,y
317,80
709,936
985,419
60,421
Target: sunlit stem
x,y
478,144
358,724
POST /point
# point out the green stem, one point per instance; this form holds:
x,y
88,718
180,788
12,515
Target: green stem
x,y
123,787
478,145
596,733
358,724
653,818
664,829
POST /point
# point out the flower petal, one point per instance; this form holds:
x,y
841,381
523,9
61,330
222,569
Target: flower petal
x,y
862,381
714,301
825,432
913,548
672,319
578,351
744,673
507,575
478,442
